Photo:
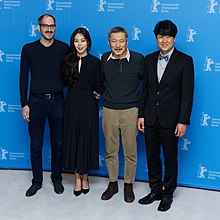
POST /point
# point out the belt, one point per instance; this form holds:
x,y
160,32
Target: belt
x,y
47,96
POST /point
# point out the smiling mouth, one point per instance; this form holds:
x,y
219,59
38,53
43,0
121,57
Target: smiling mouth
x,y
118,49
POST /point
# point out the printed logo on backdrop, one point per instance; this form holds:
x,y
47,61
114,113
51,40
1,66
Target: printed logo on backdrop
x,y
101,160
110,5
100,112
84,26
213,7
51,5
135,33
4,107
184,144
201,172
99,54
9,4
100,5
190,35
49,155
158,6
204,173
32,30
146,167
1,55
5,154
6,57
206,120
210,65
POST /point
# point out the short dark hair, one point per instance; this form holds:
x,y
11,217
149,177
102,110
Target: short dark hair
x,y
45,15
117,29
85,34
165,27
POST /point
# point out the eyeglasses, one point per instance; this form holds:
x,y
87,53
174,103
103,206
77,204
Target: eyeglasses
x,y
52,26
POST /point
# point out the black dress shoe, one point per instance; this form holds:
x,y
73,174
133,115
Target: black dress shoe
x,y
150,198
58,188
110,191
165,204
32,190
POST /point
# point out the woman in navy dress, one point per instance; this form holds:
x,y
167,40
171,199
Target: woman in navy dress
x,y
81,115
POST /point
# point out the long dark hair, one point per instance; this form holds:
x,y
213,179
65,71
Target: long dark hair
x,y
70,68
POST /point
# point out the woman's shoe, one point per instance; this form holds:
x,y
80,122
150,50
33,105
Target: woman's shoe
x,y
77,193
85,191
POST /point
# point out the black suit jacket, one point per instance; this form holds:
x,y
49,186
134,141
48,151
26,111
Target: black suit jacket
x,y
170,101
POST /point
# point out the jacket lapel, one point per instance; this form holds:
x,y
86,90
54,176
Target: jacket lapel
x,y
154,66
170,65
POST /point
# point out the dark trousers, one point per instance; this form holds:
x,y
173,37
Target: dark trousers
x,y
40,110
155,136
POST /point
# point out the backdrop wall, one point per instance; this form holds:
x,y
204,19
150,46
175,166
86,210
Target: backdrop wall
x,y
198,24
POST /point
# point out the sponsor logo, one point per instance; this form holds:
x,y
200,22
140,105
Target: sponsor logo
x,y
100,5
206,120
210,65
57,5
135,33
158,6
1,55
9,4
212,6
205,173
2,105
201,172
184,144
32,30
49,5
3,153
154,6
190,35
101,159
109,6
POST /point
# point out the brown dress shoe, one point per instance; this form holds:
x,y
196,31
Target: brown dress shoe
x,y
110,191
128,192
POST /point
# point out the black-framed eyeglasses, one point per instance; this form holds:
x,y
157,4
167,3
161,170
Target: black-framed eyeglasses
x,y
52,26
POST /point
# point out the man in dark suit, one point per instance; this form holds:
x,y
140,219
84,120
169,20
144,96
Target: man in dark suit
x,y
164,111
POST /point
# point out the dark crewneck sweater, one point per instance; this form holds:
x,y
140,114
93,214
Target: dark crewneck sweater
x,y
122,80
45,67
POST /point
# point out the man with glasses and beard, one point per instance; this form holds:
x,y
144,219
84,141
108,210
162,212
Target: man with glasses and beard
x,y
42,61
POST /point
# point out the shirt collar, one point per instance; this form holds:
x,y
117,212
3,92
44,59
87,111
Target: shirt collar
x,y
168,54
127,56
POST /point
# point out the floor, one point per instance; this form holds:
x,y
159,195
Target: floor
x,y
189,203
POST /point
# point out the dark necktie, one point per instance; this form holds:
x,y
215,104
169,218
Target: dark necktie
x,y
165,57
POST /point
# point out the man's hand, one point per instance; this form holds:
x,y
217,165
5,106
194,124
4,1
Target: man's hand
x,y
25,112
180,130
141,124
97,95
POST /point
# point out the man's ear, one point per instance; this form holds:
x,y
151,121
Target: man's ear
x,y
38,27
